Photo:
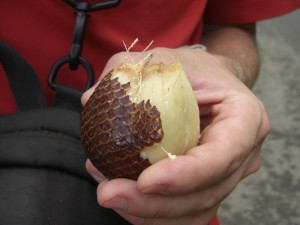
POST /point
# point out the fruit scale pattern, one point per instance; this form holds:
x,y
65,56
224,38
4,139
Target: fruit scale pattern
x,y
114,130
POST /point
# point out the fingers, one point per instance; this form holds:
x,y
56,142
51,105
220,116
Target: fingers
x,y
124,196
221,154
197,219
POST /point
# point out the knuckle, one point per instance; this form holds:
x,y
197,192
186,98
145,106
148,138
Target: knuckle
x,y
210,202
234,165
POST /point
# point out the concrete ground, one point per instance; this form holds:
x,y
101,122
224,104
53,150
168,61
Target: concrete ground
x,y
272,195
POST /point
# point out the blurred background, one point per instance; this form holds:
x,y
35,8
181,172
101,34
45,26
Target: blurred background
x,y
272,195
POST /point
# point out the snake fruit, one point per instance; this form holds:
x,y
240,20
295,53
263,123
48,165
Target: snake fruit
x,y
138,115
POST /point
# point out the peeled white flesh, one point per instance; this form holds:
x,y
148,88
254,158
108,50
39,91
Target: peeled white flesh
x,y
167,87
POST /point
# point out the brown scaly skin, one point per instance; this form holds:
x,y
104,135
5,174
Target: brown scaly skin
x,y
114,130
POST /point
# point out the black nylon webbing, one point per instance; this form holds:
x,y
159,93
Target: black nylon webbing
x,y
23,81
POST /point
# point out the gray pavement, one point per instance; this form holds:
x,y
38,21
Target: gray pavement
x,y
272,195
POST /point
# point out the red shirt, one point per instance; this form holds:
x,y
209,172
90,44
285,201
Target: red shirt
x,y
41,31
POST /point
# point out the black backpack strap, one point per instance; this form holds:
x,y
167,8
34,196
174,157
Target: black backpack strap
x,y
24,83
68,98
43,179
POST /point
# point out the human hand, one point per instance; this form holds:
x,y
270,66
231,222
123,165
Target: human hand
x,y
188,190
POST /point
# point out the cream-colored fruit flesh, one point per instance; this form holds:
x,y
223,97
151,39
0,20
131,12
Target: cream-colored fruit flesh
x,y
167,88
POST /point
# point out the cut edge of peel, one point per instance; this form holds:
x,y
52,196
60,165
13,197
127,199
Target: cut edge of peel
x,y
139,67
136,64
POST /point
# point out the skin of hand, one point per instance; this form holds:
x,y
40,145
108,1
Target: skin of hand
x,y
189,189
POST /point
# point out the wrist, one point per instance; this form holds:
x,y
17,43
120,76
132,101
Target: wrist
x,y
235,69
232,66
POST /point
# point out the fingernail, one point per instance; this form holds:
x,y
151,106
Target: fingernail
x,y
116,203
98,178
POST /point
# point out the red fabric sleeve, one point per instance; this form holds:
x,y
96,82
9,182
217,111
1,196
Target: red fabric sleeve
x,y
246,11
